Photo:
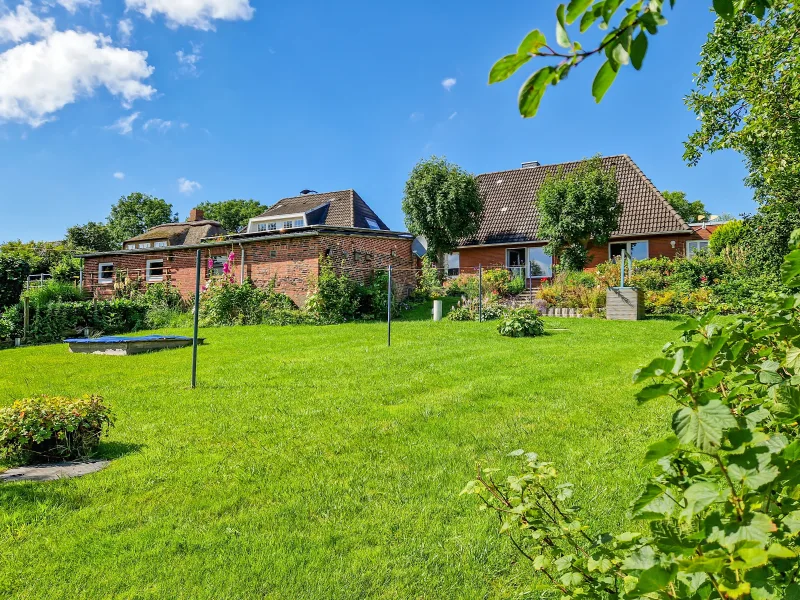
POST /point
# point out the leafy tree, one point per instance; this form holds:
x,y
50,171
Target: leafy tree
x,y
14,271
442,202
41,257
727,235
92,236
623,43
691,212
747,98
766,235
232,214
576,208
136,213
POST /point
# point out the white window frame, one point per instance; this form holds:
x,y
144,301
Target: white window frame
x,y
144,245
628,247
452,271
273,226
100,278
131,247
516,269
262,227
693,246
221,260
299,222
154,278
161,244
373,224
530,263
288,224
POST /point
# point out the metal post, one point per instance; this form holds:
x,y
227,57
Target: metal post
x,y
196,320
389,309
26,317
622,270
480,293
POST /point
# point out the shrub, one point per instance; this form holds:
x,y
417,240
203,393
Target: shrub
x,y
497,281
286,316
521,322
464,283
67,270
572,290
461,313
336,298
516,286
727,235
429,284
6,327
162,317
52,428
13,274
374,297
163,296
54,321
723,502
223,303
492,311
53,291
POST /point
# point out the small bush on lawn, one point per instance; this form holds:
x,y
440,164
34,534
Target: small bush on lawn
x,y
52,428
521,322
336,298
493,311
461,313
6,327
162,295
463,284
374,297
161,318
496,281
287,316
53,291
516,286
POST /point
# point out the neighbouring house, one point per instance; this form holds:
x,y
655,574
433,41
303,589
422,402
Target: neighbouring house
x,y
508,233
281,247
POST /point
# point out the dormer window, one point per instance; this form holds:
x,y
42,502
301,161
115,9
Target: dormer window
x,y
372,223
298,222
161,244
287,224
262,226
272,226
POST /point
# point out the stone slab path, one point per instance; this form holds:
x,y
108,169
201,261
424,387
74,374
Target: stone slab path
x,y
53,471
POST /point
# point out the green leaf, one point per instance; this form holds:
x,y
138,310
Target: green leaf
x,y
532,42
638,50
531,92
724,8
575,8
790,269
752,468
603,80
778,551
756,528
700,496
507,66
561,30
701,356
587,19
793,358
650,493
703,426
703,564
655,578
661,449
656,390
792,522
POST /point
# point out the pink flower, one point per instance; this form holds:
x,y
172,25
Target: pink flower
x,y
226,268
210,263
231,256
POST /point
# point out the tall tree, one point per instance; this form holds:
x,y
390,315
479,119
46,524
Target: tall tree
x,y
690,211
747,98
442,202
232,214
576,208
92,236
624,42
136,213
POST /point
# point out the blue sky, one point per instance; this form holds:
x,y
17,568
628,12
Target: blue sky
x,y
249,99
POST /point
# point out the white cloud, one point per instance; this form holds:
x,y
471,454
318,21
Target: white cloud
x,y
19,25
416,116
187,186
125,31
189,60
73,5
453,116
158,125
38,79
194,13
119,175
449,83
124,125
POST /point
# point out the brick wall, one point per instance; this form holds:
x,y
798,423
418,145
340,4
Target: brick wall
x,y
292,263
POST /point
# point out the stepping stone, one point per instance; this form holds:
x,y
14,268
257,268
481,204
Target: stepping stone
x,y
53,471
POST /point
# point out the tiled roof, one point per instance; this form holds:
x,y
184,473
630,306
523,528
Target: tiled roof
x,y
511,213
344,208
179,234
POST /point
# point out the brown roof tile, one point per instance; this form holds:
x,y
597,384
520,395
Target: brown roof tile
x,y
511,213
344,208
179,234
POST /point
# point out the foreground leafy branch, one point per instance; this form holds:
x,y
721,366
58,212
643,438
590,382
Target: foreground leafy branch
x,y
724,505
624,43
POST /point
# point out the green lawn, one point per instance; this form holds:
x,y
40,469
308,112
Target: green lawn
x,y
315,462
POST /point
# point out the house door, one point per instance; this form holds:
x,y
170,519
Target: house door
x,y
515,261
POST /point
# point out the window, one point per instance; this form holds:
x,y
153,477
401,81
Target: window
x,y
272,226
105,273
155,270
131,246
452,264
637,250
144,245
298,222
273,253
160,245
218,262
515,261
373,224
694,246
540,265
263,226
287,224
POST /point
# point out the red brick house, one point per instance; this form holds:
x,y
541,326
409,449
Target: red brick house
x,y
284,245
508,234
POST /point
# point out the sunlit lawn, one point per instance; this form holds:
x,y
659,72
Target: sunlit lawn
x,y
315,462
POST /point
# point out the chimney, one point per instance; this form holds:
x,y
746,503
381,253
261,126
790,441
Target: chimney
x,y
195,214
530,164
